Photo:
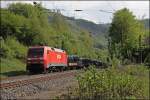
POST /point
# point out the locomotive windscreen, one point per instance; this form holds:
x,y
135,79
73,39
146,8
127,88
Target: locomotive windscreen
x,y
34,52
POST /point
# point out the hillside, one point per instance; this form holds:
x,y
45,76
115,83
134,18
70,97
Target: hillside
x,y
97,31
24,25
94,29
100,30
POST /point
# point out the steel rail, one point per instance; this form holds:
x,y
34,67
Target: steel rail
x,y
23,82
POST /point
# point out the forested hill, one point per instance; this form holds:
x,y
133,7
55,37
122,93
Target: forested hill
x,y
24,25
97,29
94,29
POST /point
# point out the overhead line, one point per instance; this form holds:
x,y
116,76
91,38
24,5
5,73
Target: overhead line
x,y
111,6
105,11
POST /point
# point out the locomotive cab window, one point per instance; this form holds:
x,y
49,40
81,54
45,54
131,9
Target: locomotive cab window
x,y
33,52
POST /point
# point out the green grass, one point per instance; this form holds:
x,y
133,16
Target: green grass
x,y
11,67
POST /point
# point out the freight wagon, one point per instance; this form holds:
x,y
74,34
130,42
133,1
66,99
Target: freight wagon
x,y
74,62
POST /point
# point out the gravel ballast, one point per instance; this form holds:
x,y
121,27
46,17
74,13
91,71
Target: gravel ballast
x,y
36,88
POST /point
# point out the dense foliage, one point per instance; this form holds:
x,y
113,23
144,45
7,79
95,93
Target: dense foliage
x,y
128,82
30,26
24,25
126,34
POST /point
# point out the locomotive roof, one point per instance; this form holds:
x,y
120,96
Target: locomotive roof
x,y
55,49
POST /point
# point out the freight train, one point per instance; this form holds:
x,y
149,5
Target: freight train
x,y
47,59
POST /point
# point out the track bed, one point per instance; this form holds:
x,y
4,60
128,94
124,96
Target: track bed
x,y
26,86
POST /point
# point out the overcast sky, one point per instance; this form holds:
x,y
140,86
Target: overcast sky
x,y
93,10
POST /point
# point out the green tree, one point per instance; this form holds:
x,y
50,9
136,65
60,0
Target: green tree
x,y
58,22
124,33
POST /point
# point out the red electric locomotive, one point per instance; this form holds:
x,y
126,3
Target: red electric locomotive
x,y
44,59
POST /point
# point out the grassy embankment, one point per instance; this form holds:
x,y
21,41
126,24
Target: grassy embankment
x,y
11,67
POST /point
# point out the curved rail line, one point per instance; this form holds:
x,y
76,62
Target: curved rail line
x,y
22,82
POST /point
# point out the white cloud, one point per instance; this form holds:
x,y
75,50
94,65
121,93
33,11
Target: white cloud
x,y
91,8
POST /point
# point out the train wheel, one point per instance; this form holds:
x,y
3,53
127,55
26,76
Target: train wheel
x,y
46,71
53,69
29,72
50,70
60,69
65,68
70,68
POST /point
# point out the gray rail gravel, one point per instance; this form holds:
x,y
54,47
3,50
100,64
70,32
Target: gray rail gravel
x,y
31,89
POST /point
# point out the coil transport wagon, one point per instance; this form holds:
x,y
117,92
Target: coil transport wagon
x,y
45,59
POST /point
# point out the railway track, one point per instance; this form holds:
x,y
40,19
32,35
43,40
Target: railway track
x,y
35,79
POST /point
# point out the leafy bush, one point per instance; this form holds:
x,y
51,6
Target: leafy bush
x,y
5,51
17,50
110,84
102,55
136,70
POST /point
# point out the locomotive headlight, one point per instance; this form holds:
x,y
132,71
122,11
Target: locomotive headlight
x,y
29,59
41,62
41,58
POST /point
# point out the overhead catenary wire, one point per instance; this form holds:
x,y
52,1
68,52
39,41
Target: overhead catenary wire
x,y
111,6
79,10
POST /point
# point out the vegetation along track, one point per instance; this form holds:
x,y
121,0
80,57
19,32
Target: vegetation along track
x,y
39,78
